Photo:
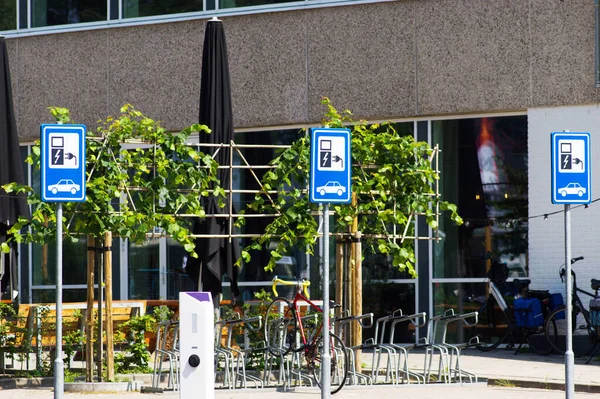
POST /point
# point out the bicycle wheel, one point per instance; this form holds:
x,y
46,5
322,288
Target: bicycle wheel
x,y
338,372
537,338
493,326
280,327
584,335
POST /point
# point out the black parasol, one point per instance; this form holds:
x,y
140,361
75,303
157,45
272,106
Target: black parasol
x,y
217,255
11,170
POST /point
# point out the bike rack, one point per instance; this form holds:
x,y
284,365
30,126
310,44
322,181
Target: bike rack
x,y
284,366
365,321
240,355
295,369
379,347
418,320
227,356
457,348
164,351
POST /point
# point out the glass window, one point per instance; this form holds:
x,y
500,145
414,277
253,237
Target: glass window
x,y
177,279
143,270
483,164
147,8
62,12
74,263
8,14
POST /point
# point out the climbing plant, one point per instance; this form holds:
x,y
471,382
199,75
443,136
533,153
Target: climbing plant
x,y
140,179
392,177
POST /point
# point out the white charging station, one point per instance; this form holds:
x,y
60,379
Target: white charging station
x,y
196,346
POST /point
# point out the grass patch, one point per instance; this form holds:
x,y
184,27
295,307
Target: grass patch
x,y
504,383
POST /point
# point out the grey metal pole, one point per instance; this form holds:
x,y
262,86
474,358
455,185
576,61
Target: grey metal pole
x,y
326,358
569,355
58,362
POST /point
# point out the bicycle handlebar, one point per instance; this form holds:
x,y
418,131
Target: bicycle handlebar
x,y
302,283
563,271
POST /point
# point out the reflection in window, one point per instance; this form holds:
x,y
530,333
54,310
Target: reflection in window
x,y
147,8
8,14
62,12
74,263
144,270
483,165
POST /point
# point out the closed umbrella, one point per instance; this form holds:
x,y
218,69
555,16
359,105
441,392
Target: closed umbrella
x,y
217,255
11,170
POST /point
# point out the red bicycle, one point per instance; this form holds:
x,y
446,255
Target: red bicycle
x,y
288,330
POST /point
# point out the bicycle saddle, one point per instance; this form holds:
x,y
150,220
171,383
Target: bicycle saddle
x,y
521,282
595,284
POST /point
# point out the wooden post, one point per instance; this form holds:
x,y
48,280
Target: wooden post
x,y
45,274
100,356
110,361
357,277
339,275
89,323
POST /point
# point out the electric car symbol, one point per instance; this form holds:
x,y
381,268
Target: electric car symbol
x,y
572,188
331,187
64,186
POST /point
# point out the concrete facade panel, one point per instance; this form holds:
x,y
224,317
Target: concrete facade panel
x,y
267,62
65,70
385,60
473,55
363,59
157,69
562,52
11,47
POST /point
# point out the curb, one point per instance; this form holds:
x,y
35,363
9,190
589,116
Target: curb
x,y
557,386
102,387
16,383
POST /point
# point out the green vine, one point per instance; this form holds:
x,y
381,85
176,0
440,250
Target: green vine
x,y
392,177
155,182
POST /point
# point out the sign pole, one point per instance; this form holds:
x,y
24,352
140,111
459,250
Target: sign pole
x,y
58,362
326,359
569,355
330,182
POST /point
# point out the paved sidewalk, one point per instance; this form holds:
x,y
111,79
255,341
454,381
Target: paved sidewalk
x,y
507,374
504,366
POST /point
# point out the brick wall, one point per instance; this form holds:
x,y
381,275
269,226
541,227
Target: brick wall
x,y
547,237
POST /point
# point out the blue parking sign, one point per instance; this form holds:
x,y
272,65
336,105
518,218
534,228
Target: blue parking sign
x,y
62,163
571,168
330,166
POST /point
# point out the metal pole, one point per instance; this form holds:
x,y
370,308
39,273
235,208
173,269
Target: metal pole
x,y
569,355
58,362
326,358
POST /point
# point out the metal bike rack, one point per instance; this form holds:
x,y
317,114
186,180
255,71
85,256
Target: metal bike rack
x,y
167,349
365,321
240,355
418,320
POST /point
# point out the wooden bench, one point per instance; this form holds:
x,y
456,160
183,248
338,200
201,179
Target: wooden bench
x,y
41,319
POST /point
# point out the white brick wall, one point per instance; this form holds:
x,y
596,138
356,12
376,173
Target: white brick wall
x,y
546,237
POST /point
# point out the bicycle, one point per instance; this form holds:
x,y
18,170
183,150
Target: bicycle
x,y
585,338
497,321
286,332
